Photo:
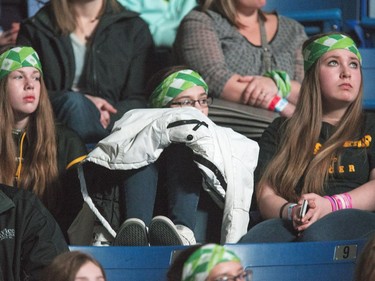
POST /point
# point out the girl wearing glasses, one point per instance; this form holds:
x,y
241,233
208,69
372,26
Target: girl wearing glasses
x,y
177,167
183,179
210,262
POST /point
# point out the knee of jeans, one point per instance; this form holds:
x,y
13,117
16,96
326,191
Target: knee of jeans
x,y
72,100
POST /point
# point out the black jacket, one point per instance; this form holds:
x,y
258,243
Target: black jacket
x,y
29,236
117,59
70,151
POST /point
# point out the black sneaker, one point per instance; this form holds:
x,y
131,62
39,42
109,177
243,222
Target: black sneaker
x,y
133,232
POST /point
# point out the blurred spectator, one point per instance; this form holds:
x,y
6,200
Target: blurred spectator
x,y
95,55
163,17
241,52
365,269
30,237
73,266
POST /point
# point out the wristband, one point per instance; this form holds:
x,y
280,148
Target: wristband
x,y
273,103
280,105
282,209
333,204
290,211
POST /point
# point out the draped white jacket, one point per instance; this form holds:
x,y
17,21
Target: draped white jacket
x,y
227,159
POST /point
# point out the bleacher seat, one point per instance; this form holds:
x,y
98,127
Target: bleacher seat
x,y
316,16
368,70
366,29
333,260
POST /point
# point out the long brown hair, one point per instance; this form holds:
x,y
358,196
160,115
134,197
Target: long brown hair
x,y
65,266
39,169
66,18
295,159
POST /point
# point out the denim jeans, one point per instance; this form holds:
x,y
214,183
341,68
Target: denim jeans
x,y
346,224
79,114
139,193
182,185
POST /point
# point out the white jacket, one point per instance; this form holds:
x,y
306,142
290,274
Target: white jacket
x,y
226,158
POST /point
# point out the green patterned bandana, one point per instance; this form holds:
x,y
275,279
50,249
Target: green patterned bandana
x,y
173,85
327,43
16,58
203,260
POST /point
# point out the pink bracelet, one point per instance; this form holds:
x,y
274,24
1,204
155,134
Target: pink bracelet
x,y
333,204
349,200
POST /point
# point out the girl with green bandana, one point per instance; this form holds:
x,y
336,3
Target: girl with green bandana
x,y
172,87
45,152
210,262
324,154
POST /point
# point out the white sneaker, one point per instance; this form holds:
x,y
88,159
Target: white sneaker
x,y
101,236
163,232
186,235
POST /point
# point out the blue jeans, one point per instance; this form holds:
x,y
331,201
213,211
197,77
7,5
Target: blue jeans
x,y
183,184
81,115
139,193
349,224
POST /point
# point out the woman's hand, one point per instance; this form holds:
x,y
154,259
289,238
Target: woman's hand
x,y
318,208
259,91
105,109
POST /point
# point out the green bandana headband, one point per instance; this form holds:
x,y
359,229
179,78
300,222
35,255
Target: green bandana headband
x,y
327,43
173,85
18,57
203,260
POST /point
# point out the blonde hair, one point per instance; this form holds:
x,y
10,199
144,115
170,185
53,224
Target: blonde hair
x,y
66,18
295,159
39,168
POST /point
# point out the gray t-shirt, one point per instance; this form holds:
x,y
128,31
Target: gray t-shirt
x,y
79,50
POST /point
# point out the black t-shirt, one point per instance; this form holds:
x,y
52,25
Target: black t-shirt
x,y
357,156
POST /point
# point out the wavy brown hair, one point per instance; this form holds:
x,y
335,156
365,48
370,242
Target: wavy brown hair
x,y
39,169
65,17
65,266
295,159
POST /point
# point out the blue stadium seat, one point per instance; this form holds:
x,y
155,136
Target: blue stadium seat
x,y
316,16
368,70
333,260
367,26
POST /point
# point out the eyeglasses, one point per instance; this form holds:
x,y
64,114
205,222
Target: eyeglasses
x,y
202,102
246,275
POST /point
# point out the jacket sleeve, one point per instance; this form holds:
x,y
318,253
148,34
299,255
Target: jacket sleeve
x,y
140,62
42,240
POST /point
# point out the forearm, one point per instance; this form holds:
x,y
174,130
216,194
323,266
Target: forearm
x,y
270,204
294,93
234,89
363,197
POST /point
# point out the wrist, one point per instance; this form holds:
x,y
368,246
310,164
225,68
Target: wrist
x,y
290,211
281,212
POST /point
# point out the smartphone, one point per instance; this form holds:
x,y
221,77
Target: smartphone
x,y
304,208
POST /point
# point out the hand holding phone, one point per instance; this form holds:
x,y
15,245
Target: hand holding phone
x,y
304,208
